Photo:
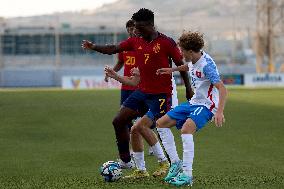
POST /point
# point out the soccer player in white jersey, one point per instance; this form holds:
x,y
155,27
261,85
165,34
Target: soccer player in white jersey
x,y
208,102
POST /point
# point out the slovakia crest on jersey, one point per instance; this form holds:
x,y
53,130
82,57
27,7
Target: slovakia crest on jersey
x,y
198,74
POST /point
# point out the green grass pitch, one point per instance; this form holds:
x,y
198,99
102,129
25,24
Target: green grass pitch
x,y
59,139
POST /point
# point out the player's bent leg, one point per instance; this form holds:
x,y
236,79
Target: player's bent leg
x,y
189,127
187,131
137,147
138,155
143,127
165,122
124,116
136,139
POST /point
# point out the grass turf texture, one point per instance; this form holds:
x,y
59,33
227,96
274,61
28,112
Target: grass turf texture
x,y
59,139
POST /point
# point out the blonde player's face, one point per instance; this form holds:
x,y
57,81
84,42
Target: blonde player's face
x,y
187,54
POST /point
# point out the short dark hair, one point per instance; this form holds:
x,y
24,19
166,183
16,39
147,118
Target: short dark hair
x,y
191,41
129,23
144,15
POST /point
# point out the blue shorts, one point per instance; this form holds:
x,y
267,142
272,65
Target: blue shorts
x,y
198,113
157,104
124,94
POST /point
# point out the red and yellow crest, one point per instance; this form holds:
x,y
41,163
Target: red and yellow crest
x,y
157,48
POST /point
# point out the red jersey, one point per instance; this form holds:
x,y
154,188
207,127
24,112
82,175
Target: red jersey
x,y
150,57
129,60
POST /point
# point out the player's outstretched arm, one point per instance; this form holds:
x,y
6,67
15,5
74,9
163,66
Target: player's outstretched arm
x,y
183,72
219,118
170,70
105,49
181,68
132,81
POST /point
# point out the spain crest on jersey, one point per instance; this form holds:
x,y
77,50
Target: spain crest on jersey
x,y
157,48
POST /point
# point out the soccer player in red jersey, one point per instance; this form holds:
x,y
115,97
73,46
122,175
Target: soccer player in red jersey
x,y
153,51
127,59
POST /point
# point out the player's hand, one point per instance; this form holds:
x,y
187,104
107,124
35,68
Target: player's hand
x,y
219,119
87,45
135,71
164,71
110,72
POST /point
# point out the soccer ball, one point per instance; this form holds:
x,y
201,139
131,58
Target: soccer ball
x,y
111,171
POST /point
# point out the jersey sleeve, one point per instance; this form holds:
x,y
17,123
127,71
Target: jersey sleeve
x,y
127,45
211,73
120,57
174,51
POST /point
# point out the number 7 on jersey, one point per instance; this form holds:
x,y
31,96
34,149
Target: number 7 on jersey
x,y
146,58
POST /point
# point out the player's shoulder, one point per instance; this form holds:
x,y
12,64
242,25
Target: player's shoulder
x,y
129,53
208,63
207,59
130,39
168,39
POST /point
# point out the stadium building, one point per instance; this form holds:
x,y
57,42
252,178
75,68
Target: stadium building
x,y
37,54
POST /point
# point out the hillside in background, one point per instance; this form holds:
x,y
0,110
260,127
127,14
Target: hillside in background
x,y
214,16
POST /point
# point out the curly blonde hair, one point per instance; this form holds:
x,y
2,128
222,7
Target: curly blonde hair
x,y
191,41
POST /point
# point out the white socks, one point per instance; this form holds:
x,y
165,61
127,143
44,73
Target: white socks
x,y
139,156
139,160
158,152
188,153
169,143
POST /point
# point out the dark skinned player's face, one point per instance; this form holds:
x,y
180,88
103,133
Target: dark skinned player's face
x,y
144,29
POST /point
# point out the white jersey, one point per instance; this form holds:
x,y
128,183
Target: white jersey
x,y
174,93
203,75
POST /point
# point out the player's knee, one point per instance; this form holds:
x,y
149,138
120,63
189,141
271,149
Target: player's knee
x,y
134,129
188,129
162,123
159,123
117,122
